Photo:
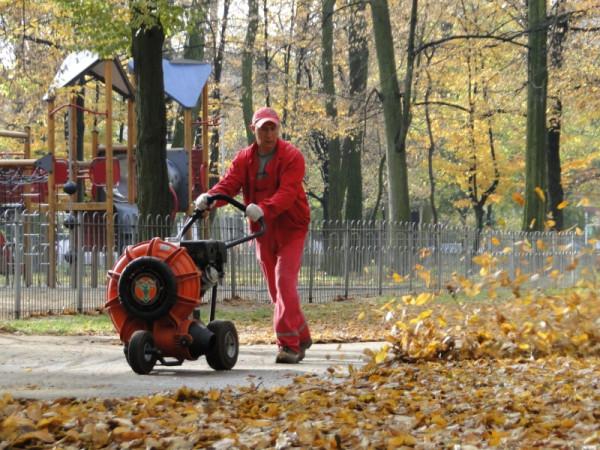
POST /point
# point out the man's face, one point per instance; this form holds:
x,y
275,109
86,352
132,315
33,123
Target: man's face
x,y
266,136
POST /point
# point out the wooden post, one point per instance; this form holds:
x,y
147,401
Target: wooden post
x,y
131,138
27,155
110,224
94,143
73,145
187,145
51,201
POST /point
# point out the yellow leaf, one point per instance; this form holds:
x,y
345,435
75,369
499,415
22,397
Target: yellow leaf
x,y
438,420
540,244
540,193
423,298
567,423
580,339
532,223
258,423
401,325
550,223
495,241
583,202
524,346
381,354
562,205
442,322
495,437
43,436
507,327
425,314
213,395
401,439
425,276
398,278
361,316
543,335
578,231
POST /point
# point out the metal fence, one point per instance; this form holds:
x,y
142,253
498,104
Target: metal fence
x,y
341,259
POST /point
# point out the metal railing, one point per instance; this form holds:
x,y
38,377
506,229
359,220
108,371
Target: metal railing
x,y
341,259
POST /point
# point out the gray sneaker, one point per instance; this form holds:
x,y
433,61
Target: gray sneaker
x,y
287,356
303,347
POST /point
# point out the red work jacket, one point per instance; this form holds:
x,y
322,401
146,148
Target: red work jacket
x,y
279,193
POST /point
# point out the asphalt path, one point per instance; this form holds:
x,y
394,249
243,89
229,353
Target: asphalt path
x,y
48,367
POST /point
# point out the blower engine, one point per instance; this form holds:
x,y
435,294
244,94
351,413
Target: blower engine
x,y
154,290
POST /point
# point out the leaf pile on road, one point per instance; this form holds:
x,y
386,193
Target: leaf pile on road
x,y
532,326
477,403
522,372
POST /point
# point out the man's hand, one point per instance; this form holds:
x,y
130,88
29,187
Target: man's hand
x,y
254,212
201,202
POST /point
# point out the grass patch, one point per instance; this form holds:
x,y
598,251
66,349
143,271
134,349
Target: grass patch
x,y
243,313
69,325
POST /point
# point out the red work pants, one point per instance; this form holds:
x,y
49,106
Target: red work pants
x,y
280,264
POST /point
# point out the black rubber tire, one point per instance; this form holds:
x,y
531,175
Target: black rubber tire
x,y
224,353
141,354
126,351
166,286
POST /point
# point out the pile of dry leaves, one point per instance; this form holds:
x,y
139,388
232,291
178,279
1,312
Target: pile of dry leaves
x,y
522,372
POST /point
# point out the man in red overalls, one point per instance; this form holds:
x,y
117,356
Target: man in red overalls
x,y
269,173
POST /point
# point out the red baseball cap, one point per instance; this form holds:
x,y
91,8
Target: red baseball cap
x,y
264,115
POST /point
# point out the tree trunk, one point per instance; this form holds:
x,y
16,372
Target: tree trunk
x,y
535,165
399,207
247,61
358,56
430,152
266,57
153,185
216,97
555,189
193,49
333,181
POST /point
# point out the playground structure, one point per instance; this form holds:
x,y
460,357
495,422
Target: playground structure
x,y
109,196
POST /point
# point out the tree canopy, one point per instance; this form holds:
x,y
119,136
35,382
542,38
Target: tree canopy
x,y
465,135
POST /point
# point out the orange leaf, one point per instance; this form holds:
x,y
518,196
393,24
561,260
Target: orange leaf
x,y
517,197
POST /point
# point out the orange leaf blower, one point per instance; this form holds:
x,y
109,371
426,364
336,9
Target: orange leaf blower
x,y
154,290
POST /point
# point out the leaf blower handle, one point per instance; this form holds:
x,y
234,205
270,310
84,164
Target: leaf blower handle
x,y
205,202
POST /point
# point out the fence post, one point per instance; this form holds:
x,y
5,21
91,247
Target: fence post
x,y
17,259
438,254
233,272
346,259
380,260
411,232
311,269
79,261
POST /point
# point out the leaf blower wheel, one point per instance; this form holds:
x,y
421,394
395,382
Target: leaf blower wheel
x,y
141,354
147,288
224,353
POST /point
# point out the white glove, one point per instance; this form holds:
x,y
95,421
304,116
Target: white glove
x,y
201,202
253,212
